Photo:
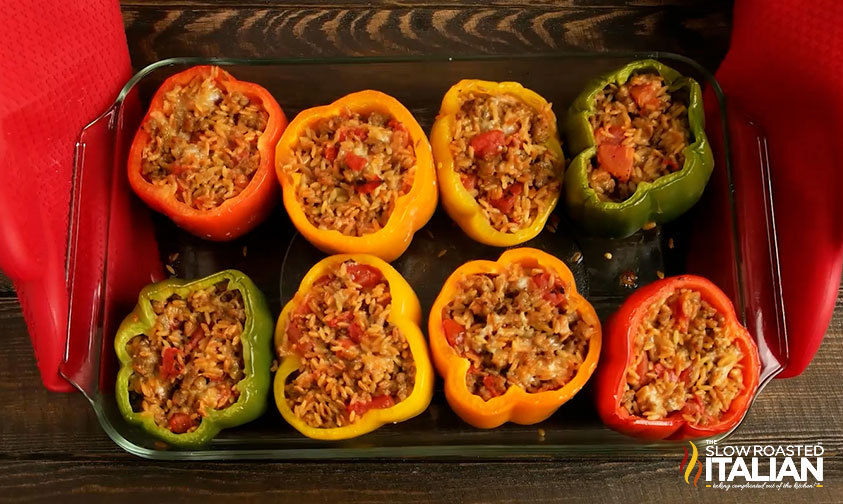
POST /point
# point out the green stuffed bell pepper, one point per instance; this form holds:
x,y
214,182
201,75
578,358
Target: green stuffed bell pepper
x,y
643,156
195,357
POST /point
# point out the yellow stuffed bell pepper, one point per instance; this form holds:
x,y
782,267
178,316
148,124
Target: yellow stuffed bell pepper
x,y
468,355
343,166
498,159
352,313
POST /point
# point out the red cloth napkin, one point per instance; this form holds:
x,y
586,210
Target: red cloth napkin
x,y
61,65
785,70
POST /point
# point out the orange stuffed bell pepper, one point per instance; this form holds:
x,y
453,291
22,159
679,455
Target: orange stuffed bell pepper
x,y
357,175
352,354
512,338
679,365
498,160
204,153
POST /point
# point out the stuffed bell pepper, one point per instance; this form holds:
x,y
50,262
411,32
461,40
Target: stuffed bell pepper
x,y
357,175
195,357
677,363
642,151
513,339
204,153
352,354
498,159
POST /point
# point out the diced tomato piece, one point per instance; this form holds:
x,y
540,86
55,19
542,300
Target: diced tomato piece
x,y
453,331
321,281
355,162
293,331
170,366
516,189
195,337
335,321
365,275
616,159
645,95
671,163
396,125
180,423
613,135
491,385
469,181
377,402
355,332
381,402
330,152
302,347
641,370
504,204
361,133
686,310
345,342
541,281
685,375
555,298
178,169
341,135
368,186
488,143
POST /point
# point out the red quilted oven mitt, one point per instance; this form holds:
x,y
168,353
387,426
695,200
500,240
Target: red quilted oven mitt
x,y
785,69
61,65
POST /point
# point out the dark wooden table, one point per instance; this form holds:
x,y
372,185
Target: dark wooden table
x,y
52,447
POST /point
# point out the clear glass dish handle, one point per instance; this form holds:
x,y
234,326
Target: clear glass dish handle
x,y
744,235
112,249
86,251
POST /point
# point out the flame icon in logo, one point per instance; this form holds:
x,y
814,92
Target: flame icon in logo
x,y
694,462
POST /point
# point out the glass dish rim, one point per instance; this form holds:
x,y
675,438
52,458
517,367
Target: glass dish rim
x,y
456,451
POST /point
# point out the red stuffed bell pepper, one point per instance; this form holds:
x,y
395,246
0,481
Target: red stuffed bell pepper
x,y
204,154
677,363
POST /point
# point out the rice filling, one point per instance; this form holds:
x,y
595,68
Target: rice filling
x,y
203,143
192,360
685,361
500,154
353,168
517,328
640,128
352,358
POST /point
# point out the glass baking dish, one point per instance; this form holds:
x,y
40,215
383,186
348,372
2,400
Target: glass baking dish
x,y
117,245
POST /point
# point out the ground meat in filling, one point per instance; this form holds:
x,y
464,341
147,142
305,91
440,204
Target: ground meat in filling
x,y
192,359
500,155
685,361
352,358
640,130
353,168
204,143
517,328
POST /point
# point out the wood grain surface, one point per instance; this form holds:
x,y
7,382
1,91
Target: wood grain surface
x,y
52,447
